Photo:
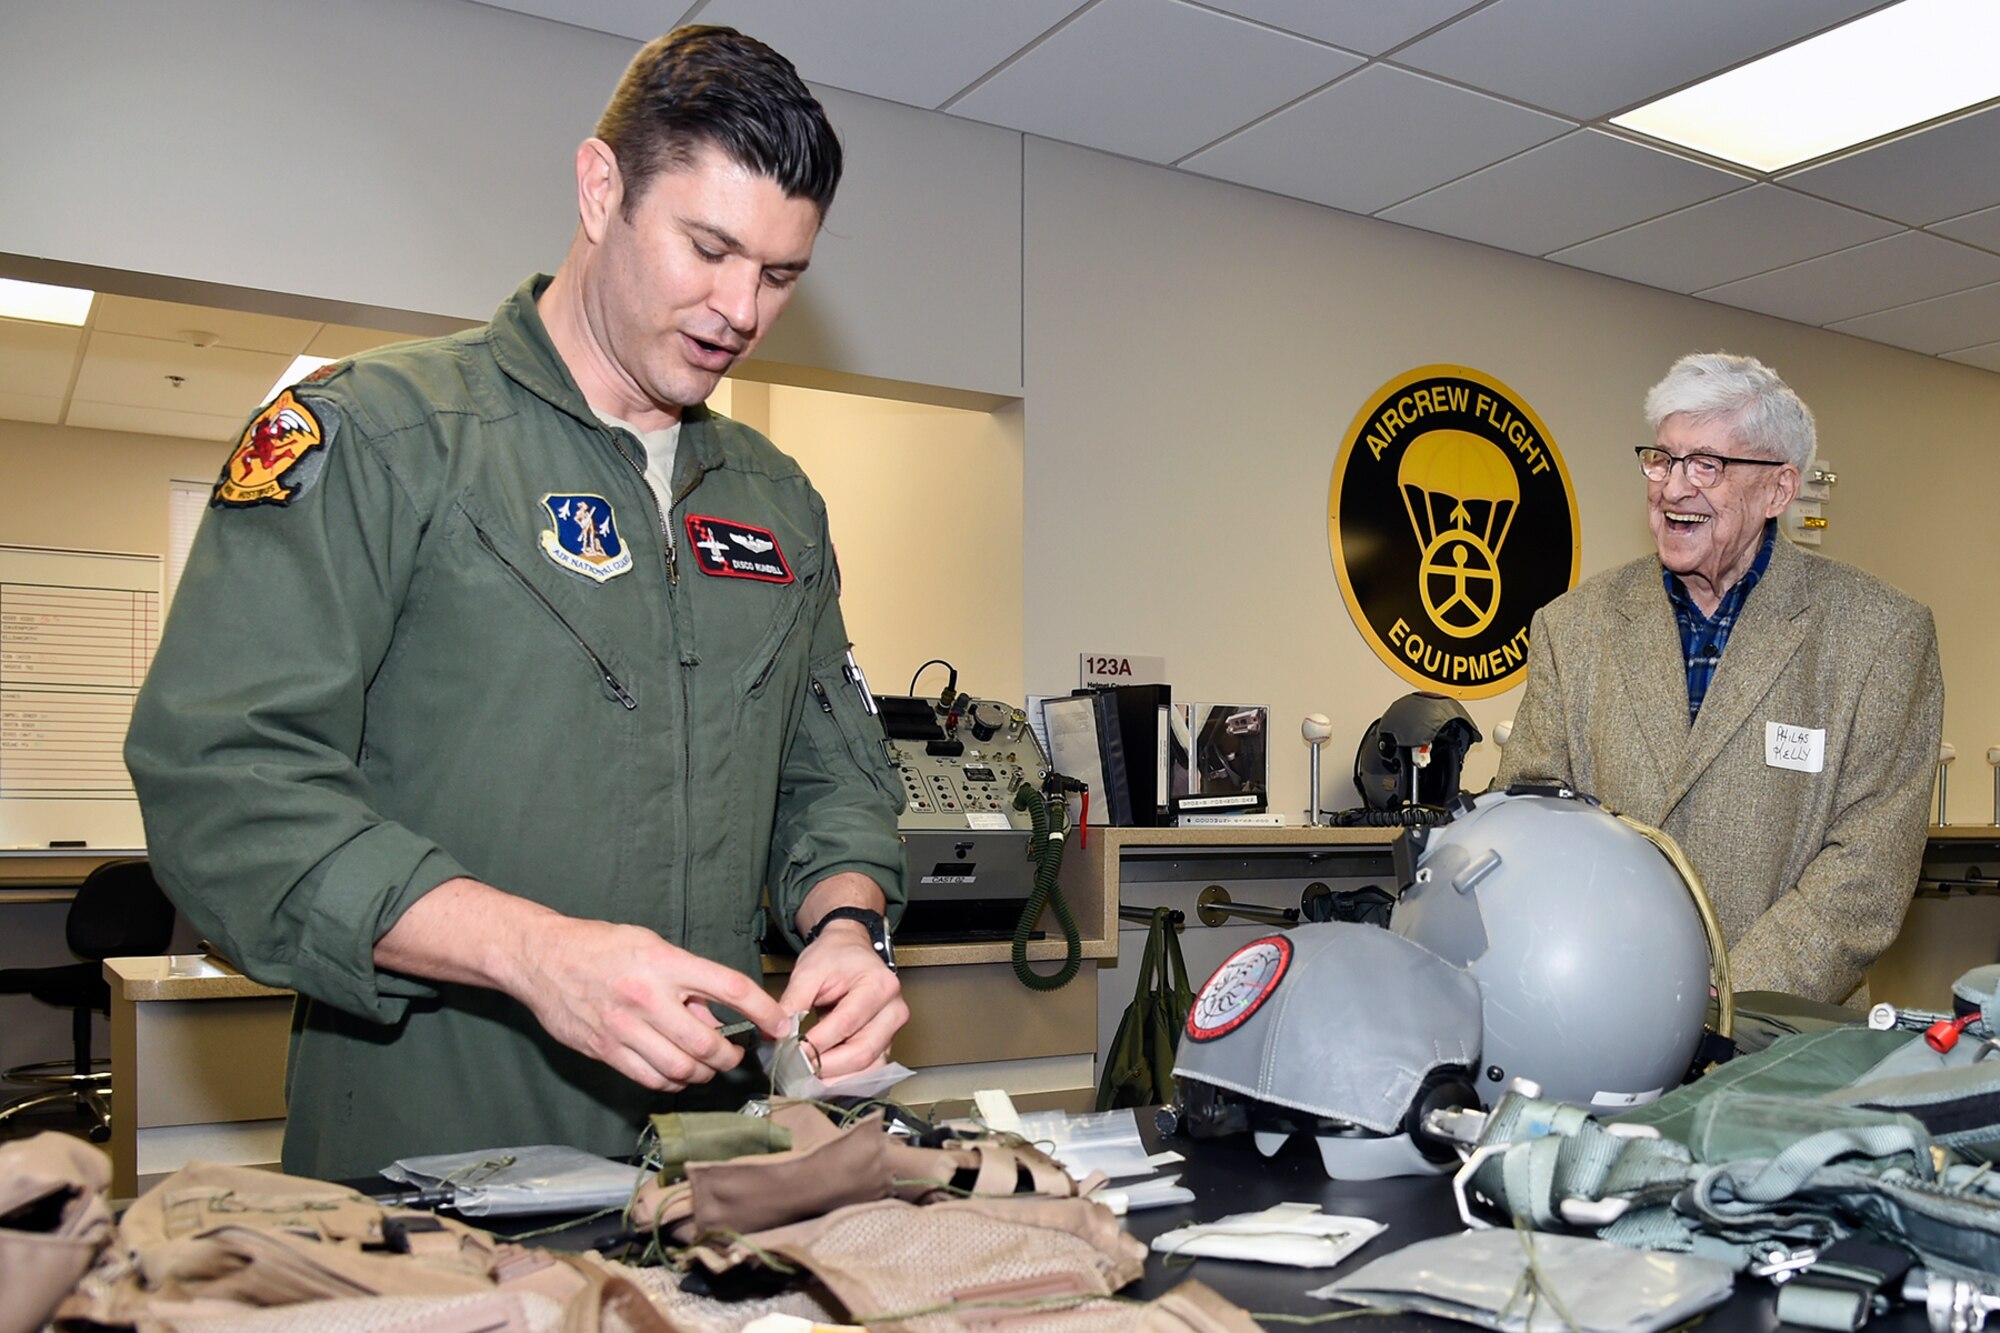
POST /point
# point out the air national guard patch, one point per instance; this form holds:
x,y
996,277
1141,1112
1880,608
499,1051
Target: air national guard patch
x,y
731,550
585,537
280,454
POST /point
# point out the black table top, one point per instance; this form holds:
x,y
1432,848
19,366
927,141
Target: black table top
x,y
1229,1176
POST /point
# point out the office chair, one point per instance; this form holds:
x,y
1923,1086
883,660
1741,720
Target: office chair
x,y
118,912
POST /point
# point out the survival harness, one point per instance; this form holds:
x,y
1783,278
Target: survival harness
x,y
1830,1162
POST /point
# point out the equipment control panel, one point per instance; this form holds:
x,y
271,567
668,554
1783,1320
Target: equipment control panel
x,y
960,764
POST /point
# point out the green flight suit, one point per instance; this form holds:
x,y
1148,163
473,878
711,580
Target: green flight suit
x,y
396,676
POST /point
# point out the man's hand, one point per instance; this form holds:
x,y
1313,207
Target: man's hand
x,y
619,994
862,1000
840,974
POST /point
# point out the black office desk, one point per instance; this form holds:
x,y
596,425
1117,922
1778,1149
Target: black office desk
x,y
1230,1176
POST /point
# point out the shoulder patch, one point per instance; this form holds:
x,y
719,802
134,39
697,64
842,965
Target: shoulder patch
x,y
280,454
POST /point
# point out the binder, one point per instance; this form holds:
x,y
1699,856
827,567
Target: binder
x,y
1141,721
1111,758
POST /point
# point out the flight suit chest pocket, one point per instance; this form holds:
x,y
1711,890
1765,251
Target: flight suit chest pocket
x,y
580,638
754,624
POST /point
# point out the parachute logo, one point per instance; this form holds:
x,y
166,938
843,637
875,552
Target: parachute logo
x,y
1451,520
1461,494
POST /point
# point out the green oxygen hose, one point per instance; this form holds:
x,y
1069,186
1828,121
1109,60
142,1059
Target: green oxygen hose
x,y
1046,848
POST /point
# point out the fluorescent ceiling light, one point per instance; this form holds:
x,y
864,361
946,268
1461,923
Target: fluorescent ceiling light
x,y
1898,67
41,302
302,366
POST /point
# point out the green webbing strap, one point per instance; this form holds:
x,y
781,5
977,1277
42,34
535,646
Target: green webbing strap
x,y
1557,1151
1782,1176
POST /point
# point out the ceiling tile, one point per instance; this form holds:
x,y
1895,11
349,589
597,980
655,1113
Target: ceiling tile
x,y
1909,266
218,381
154,421
1588,58
1373,139
1721,240
1938,173
342,340
1151,79
643,19
919,54
1367,26
1579,186
37,359
30,407
171,321
1941,324
1981,228
1986,358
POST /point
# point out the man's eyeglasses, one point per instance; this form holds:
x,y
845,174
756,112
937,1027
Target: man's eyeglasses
x,y
1703,470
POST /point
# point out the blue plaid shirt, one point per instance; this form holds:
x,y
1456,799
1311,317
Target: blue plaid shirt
x,y
1703,638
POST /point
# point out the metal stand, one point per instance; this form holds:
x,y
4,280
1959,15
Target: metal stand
x,y
1945,755
1993,758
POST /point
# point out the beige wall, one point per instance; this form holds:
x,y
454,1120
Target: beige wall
x,y
1188,353
925,505
94,490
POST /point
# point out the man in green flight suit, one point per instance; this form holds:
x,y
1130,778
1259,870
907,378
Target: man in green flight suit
x,y
504,679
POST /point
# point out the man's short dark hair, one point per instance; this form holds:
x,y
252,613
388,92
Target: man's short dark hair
x,y
709,85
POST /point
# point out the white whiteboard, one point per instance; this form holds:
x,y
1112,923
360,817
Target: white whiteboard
x,y
77,632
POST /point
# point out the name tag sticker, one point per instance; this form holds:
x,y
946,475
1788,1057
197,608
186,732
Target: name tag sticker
x,y
1801,749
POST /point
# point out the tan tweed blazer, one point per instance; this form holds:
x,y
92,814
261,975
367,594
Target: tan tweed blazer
x,y
1810,873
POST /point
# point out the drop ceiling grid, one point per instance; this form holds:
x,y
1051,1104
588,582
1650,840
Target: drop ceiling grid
x,y
1588,59
920,55
1151,79
1909,266
1951,323
1375,139
1567,191
1736,235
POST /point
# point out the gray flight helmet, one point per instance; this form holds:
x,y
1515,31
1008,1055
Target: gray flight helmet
x,y
1587,939
1341,1031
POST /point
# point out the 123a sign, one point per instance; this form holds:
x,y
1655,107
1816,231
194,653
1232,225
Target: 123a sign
x,y
1119,669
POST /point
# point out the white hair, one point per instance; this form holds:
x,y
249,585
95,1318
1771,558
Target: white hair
x,y
1759,410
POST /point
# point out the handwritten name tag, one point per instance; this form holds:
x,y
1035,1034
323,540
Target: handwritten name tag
x,y
1802,749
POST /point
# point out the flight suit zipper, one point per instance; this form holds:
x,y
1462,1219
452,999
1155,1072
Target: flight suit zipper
x,y
611,681
687,720
666,517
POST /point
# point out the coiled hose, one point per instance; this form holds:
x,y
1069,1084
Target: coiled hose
x,y
1046,847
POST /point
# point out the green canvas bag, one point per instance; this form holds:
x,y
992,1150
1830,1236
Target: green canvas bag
x,y
1139,1067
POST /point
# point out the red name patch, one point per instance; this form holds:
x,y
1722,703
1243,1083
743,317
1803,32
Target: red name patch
x,y
731,550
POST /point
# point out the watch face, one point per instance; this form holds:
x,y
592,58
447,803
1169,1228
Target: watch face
x,y
1239,988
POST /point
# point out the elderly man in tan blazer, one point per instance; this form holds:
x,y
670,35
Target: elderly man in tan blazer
x,y
1776,712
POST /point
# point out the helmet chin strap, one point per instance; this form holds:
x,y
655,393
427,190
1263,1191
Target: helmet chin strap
x,y
1718,952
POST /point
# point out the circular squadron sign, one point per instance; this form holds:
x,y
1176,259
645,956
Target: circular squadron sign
x,y
1452,521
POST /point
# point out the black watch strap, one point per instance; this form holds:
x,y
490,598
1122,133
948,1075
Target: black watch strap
x,y
873,921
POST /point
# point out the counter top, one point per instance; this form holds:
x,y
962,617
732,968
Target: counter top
x,y
184,976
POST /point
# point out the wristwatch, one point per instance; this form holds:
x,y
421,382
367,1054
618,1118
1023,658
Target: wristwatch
x,y
876,923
